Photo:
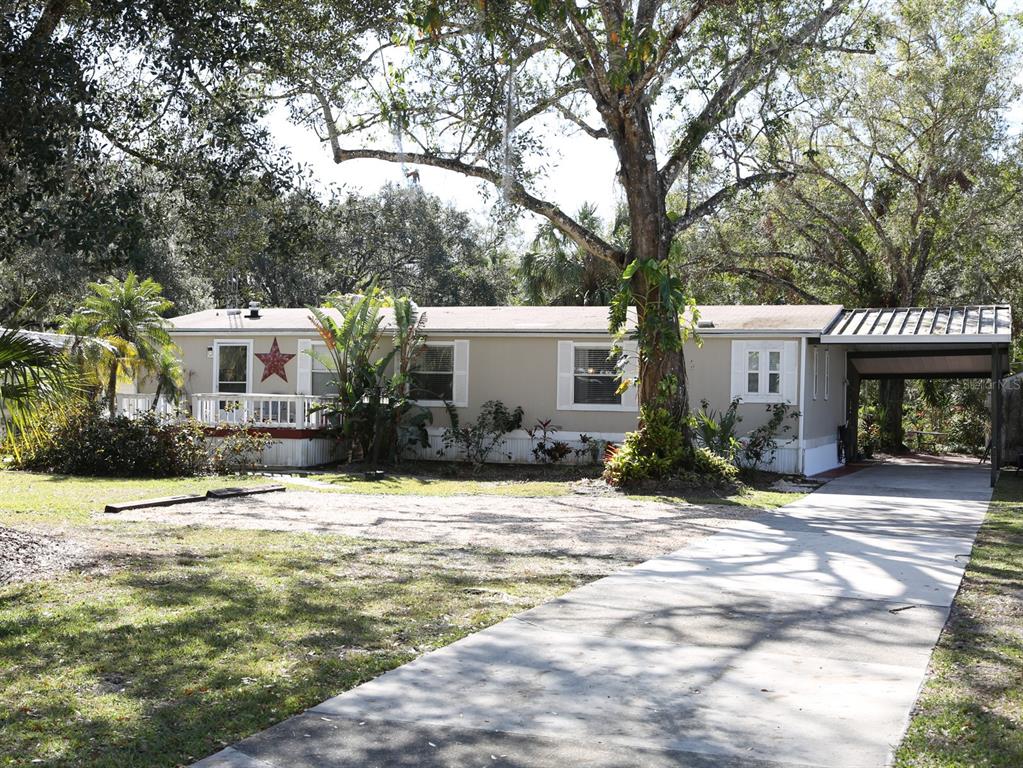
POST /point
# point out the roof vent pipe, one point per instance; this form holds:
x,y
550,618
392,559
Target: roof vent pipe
x,y
704,323
253,310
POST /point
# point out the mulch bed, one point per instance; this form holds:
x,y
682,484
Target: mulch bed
x,y
25,555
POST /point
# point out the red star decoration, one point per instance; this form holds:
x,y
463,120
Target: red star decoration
x,y
274,362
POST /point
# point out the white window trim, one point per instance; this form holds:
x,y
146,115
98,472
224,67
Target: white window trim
x,y
827,373
217,344
788,372
566,370
459,370
815,370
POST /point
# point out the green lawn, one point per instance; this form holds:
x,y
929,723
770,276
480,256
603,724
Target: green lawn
x,y
407,484
182,640
970,712
754,498
425,485
30,496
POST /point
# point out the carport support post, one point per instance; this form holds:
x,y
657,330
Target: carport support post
x,y
996,413
852,415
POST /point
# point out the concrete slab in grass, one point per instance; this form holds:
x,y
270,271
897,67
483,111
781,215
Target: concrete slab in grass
x,y
162,501
234,492
754,556
793,624
725,701
231,758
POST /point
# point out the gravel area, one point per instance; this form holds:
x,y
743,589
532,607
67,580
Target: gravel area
x,y
598,526
25,555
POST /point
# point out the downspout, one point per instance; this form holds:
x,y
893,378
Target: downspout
x,y
800,449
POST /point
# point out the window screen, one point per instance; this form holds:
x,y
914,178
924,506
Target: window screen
x,y
432,376
595,378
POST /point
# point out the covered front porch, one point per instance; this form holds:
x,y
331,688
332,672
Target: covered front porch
x,y
293,421
967,342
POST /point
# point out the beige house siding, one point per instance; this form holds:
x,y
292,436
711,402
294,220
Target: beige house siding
x,y
825,411
523,370
709,369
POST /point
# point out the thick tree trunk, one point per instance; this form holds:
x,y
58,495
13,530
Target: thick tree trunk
x,y
662,360
891,393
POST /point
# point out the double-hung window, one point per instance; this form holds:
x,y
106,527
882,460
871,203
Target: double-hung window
x,y
589,377
438,374
432,373
323,381
595,377
763,371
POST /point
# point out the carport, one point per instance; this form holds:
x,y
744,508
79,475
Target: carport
x,y
966,342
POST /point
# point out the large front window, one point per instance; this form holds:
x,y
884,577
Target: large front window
x,y
432,374
232,368
595,377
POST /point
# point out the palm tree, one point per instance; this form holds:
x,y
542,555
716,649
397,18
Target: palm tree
x,y
170,379
34,374
556,271
127,315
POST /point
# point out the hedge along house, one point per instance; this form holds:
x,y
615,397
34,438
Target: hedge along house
x,y
553,361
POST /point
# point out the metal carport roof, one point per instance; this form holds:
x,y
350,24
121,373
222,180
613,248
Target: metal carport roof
x,y
924,342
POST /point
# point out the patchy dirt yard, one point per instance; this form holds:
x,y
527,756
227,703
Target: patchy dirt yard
x,y
26,555
599,526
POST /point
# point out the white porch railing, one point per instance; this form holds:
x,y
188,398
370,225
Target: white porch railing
x,y
215,408
294,411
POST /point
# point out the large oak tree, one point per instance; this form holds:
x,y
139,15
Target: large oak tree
x,y
679,89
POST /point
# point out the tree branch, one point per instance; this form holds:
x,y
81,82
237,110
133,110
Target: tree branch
x,y
744,76
517,193
712,203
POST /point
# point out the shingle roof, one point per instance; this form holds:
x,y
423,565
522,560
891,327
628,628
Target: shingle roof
x,y
990,322
526,320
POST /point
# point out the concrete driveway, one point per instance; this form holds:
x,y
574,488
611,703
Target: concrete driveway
x,y
798,638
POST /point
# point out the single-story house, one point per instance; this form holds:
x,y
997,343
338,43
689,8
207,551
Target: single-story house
x,y
553,361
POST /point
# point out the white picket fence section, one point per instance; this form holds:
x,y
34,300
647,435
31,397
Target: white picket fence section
x,y
517,447
136,405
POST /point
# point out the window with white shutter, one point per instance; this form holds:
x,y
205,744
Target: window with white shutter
x,y
589,378
764,371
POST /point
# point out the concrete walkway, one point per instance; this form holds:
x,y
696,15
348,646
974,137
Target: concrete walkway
x,y
798,638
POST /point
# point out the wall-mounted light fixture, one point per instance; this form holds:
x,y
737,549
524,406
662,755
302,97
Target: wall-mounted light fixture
x,y
209,352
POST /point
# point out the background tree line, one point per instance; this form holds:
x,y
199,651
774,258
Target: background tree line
x,y
851,152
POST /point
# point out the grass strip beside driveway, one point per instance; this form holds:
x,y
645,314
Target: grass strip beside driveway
x,y
970,711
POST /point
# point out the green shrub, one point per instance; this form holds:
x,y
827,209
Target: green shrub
x,y
717,431
240,449
83,441
477,440
657,451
